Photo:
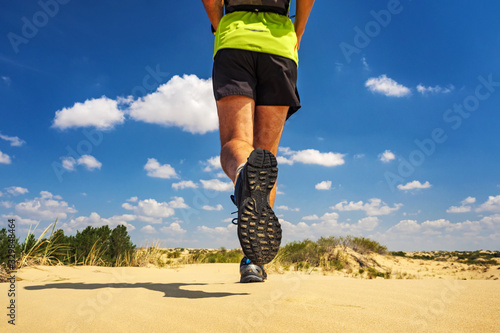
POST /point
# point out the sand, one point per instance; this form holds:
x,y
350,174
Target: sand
x,y
208,298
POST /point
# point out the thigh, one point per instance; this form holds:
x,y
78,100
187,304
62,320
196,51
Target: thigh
x,y
269,122
236,118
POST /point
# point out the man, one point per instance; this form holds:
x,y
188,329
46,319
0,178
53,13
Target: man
x,y
254,81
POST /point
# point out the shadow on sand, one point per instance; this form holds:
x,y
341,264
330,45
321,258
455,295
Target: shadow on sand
x,y
169,289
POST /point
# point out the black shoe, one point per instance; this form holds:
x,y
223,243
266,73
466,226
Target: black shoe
x,y
259,230
251,272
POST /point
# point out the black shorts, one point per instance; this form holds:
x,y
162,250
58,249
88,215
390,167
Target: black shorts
x,y
268,79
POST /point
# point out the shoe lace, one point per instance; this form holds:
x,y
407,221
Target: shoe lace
x,y
235,219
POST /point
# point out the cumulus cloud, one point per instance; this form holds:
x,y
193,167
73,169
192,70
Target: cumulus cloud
x,y
155,169
405,226
174,229
464,207
211,208
154,209
16,190
313,217
20,220
386,86
219,233
186,102
283,207
217,185
102,113
324,185
95,220
6,204
311,156
414,185
212,164
184,184
45,207
89,162
434,90
148,229
387,156
4,158
491,205
14,140
374,207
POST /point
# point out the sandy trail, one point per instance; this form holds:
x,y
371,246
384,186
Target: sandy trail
x,y
208,298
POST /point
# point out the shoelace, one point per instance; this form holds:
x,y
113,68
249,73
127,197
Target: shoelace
x,y
233,199
235,219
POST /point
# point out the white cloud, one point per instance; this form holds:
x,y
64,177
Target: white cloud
x,y
283,207
459,209
173,229
464,207
434,90
102,113
313,217
406,226
216,208
6,204
324,185
414,185
374,207
386,86
155,209
16,190
491,205
68,163
387,156
89,162
366,224
14,140
217,185
155,169
4,158
441,223
468,201
283,160
311,156
184,184
185,102
212,164
20,220
45,207
148,229
133,199
220,233
95,220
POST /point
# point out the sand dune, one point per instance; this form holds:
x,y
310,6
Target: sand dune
x,y
208,298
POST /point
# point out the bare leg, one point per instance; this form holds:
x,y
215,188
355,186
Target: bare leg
x,y
268,127
236,122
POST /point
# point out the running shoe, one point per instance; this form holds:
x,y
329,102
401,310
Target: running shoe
x,y
251,272
259,230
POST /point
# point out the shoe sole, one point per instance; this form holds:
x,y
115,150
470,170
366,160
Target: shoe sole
x,y
259,230
251,278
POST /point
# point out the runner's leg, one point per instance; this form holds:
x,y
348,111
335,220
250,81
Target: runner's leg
x,y
268,127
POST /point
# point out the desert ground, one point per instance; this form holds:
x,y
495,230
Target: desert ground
x,y
209,298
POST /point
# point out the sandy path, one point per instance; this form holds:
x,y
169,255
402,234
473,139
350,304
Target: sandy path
x,y
208,298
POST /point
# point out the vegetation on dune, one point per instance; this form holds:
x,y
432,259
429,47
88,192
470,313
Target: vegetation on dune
x,y
103,246
481,258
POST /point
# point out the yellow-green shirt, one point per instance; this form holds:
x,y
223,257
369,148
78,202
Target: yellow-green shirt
x,y
257,31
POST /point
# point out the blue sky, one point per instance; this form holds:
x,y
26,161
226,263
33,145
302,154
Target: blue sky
x,y
107,117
